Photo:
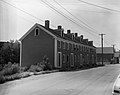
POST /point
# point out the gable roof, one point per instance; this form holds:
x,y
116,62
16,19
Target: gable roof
x,y
52,32
36,25
107,50
27,32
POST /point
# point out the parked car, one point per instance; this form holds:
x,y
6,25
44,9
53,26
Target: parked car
x,y
116,87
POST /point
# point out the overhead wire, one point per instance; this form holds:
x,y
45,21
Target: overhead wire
x,y
24,11
67,17
21,10
75,16
35,16
109,9
21,16
39,18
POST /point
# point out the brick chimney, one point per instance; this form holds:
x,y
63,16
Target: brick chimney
x,y
47,22
87,41
81,36
76,34
73,36
91,43
59,27
68,31
61,30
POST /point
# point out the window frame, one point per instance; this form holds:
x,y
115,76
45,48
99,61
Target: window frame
x,y
63,58
71,59
36,33
59,44
59,60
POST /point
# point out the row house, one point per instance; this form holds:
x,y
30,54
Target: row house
x,y
64,50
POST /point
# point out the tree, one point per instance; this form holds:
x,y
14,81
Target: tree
x,y
10,52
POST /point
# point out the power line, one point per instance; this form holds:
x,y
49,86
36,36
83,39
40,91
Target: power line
x,y
35,16
22,17
39,18
21,10
24,11
61,13
100,6
70,19
75,16
94,11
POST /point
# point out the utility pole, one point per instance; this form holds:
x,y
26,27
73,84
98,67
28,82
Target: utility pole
x,y
102,45
113,48
113,59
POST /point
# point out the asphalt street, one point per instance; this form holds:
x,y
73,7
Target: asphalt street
x,y
94,81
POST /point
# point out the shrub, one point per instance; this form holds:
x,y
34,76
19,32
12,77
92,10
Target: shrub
x,y
35,68
9,70
10,77
44,65
2,79
47,64
41,64
24,69
1,67
7,65
25,74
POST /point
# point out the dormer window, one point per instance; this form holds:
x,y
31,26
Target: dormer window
x,y
36,31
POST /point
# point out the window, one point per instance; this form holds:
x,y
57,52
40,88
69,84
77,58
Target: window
x,y
63,57
36,31
88,49
87,59
92,58
68,46
73,46
75,58
59,44
78,58
72,59
82,48
59,59
85,49
79,47
67,58
63,45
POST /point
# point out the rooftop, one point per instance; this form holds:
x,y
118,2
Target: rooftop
x,y
107,50
67,36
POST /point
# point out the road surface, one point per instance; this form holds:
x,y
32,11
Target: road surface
x,y
95,81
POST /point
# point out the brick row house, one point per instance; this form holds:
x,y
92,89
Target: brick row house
x,y
64,50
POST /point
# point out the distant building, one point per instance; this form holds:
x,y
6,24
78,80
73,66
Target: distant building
x,y
108,54
64,50
117,57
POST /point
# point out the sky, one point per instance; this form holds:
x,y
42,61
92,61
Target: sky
x,y
18,16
